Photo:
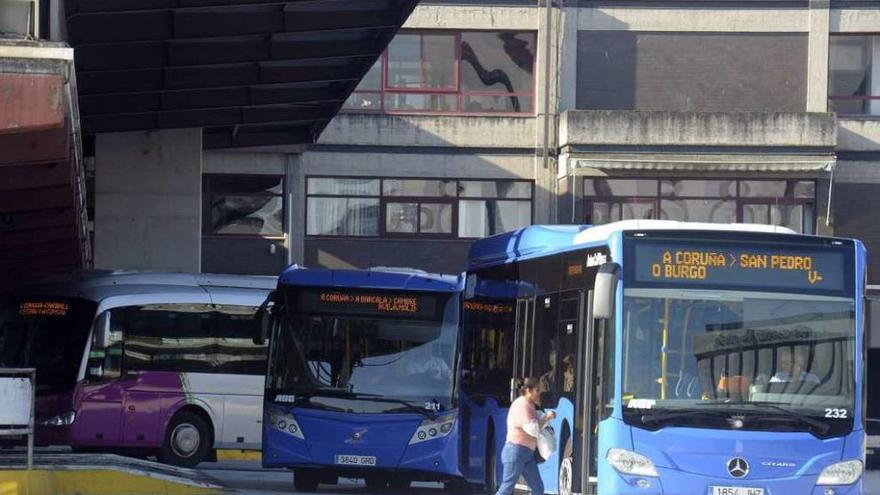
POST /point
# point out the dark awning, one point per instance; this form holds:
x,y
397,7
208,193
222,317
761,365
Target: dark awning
x,y
250,72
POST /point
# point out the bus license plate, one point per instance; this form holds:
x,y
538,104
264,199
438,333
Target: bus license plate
x,y
735,490
356,460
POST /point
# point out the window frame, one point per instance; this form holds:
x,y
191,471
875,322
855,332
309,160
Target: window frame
x,y
206,206
790,199
382,232
456,89
865,99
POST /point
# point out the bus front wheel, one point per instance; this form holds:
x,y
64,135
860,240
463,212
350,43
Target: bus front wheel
x,y
187,440
306,480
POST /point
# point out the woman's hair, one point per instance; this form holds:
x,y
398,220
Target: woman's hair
x,y
524,384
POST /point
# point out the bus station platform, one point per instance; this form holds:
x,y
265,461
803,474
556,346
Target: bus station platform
x,y
58,473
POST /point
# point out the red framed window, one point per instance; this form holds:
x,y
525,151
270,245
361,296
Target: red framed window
x,y
853,82
789,203
473,72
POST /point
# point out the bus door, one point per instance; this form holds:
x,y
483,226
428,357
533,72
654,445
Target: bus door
x,y
523,340
587,407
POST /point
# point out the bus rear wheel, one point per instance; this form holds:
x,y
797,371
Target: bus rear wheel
x,y
566,470
187,440
306,480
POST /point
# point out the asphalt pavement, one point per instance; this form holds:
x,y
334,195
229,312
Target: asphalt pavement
x,y
248,478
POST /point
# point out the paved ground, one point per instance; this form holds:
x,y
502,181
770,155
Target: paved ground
x,y
246,478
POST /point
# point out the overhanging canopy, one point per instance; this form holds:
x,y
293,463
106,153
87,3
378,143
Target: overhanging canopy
x,y
250,72
782,164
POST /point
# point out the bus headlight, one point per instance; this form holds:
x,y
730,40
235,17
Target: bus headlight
x,y
628,462
841,473
61,420
285,423
431,429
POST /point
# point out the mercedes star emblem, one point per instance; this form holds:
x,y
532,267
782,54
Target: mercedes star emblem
x,y
738,467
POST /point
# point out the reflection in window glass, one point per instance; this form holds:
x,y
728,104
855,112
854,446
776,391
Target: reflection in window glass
x,y
497,62
698,188
483,218
343,216
247,215
805,189
849,75
637,211
435,218
190,338
340,187
763,188
495,189
420,101
402,218
791,216
421,61
497,103
251,184
417,187
698,210
756,214
620,187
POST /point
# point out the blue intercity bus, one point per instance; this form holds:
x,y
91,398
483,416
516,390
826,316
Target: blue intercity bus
x,y
362,376
680,357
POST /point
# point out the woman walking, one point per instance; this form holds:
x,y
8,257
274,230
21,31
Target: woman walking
x,y
523,428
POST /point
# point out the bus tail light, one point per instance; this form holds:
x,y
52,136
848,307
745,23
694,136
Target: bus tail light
x,y
65,419
431,429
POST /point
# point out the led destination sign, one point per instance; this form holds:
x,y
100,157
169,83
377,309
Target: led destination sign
x,y
357,302
43,308
741,265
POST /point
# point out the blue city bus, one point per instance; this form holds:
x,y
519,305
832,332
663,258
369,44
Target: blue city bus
x,y
361,376
680,357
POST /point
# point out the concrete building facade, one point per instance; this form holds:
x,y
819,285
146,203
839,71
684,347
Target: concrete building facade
x,y
484,117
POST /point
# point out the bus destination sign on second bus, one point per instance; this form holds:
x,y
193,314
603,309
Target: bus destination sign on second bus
x,y
376,302
730,265
362,302
43,308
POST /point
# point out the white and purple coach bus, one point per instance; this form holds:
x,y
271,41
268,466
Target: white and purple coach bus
x,y
142,363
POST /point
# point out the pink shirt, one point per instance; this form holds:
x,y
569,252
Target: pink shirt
x,y
522,412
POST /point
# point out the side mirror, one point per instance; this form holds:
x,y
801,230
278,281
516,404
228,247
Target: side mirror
x,y
102,330
263,320
605,291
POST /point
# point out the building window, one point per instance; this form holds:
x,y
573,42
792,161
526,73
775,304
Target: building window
x,y
243,205
434,208
789,203
451,72
853,78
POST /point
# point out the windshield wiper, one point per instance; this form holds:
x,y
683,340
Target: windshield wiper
x,y
788,413
345,394
406,404
669,415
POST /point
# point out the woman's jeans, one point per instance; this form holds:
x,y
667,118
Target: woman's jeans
x,y
519,461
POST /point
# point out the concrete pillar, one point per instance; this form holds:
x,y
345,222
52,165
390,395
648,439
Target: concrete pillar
x,y
148,187
545,174
817,55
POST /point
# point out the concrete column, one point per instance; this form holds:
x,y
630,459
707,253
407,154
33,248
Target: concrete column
x,y
148,187
296,205
545,175
817,54
874,57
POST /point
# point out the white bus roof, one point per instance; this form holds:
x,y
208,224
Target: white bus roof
x,y
603,232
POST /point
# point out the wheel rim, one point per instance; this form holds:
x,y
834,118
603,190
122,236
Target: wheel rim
x,y
565,473
185,440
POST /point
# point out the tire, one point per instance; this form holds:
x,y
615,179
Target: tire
x,y
457,487
306,480
376,483
566,470
491,484
187,440
397,484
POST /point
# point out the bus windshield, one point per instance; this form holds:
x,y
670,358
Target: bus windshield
x,y
48,334
366,363
738,359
